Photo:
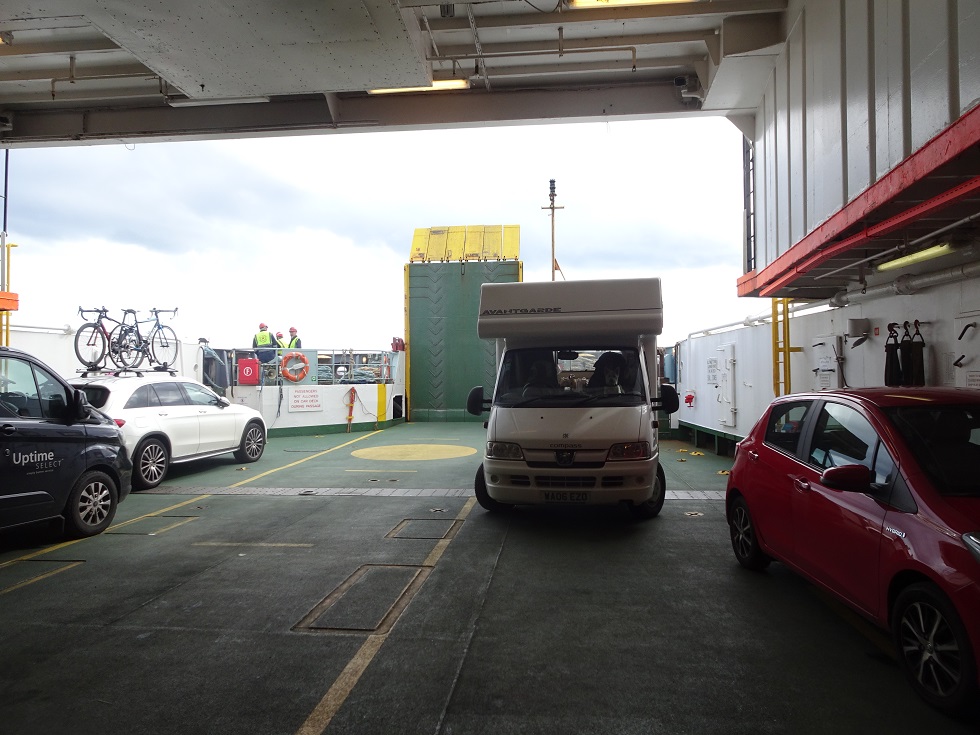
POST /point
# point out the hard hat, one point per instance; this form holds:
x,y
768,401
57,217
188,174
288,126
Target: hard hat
x,y
262,325
292,329
279,334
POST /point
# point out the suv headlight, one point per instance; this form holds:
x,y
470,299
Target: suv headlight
x,y
972,541
631,450
504,450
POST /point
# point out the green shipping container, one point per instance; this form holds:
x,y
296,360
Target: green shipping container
x,y
445,356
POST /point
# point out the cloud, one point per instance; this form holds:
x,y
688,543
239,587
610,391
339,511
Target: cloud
x,y
314,231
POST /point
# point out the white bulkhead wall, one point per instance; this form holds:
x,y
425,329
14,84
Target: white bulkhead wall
x,y
829,357
859,86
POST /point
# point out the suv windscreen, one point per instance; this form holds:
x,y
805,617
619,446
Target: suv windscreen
x,y
570,376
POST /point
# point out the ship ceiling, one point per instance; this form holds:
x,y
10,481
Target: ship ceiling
x,y
89,71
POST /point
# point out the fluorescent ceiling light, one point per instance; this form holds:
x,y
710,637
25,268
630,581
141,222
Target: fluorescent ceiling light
x,y
581,4
196,102
437,85
936,251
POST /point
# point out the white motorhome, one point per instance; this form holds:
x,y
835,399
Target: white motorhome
x,y
573,417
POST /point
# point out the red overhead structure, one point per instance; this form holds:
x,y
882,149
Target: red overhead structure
x,y
924,186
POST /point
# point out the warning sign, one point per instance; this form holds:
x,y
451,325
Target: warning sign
x,y
305,399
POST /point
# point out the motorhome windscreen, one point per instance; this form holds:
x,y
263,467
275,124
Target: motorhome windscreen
x,y
570,376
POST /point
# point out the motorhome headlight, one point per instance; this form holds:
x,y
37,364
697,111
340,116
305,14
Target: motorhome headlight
x,y
504,450
972,541
631,450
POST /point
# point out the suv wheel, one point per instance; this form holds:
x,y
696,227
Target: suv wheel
x,y
150,464
253,443
91,505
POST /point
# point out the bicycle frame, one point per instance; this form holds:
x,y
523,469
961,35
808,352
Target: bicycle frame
x,y
132,339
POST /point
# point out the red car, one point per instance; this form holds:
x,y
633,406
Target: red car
x,y
874,495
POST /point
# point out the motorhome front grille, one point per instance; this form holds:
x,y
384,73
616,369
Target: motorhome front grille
x,y
575,465
520,480
613,481
561,481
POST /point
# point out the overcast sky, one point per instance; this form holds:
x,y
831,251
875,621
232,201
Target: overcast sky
x,y
314,231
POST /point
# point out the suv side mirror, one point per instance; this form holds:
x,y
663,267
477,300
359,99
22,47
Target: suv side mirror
x,y
476,404
80,407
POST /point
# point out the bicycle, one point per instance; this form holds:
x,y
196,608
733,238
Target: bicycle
x,y
160,346
93,340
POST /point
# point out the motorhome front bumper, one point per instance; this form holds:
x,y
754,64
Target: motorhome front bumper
x,y
611,482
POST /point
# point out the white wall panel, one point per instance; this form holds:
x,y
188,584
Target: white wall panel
x,y
968,52
798,179
859,150
929,70
766,251
823,111
763,179
784,173
890,113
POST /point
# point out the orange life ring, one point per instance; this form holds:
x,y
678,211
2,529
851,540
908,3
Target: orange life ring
x,y
288,374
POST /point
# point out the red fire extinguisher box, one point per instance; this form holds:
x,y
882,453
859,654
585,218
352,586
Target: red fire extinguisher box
x,y
248,371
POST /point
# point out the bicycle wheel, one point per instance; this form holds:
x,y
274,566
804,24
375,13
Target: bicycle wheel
x,y
124,347
90,345
163,346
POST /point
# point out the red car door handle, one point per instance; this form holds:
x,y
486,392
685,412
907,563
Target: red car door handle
x,y
801,484
753,455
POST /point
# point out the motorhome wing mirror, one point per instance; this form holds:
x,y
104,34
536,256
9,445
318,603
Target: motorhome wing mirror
x,y
669,400
475,403
567,355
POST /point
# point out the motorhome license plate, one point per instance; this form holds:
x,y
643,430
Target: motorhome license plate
x,y
565,496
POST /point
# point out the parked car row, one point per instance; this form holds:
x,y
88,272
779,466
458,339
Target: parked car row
x,y
71,452
874,495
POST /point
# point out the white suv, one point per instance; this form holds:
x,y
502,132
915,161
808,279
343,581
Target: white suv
x,y
167,419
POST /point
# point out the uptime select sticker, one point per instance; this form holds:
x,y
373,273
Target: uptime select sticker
x,y
36,462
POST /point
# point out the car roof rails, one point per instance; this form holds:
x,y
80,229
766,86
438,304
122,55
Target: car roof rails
x,y
104,372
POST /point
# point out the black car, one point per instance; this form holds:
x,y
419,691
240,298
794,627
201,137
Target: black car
x,y
60,458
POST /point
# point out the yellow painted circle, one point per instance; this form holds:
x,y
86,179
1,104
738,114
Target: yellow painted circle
x,y
412,452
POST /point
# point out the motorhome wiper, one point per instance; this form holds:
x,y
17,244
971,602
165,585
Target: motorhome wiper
x,y
535,399
602,396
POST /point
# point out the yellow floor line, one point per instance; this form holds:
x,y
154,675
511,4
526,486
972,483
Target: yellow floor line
x,y
318,720
335,697
65,544
156,513
39,577
305,459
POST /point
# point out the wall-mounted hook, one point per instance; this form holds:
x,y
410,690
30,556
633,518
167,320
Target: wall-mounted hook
x,y
971,324
959,362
